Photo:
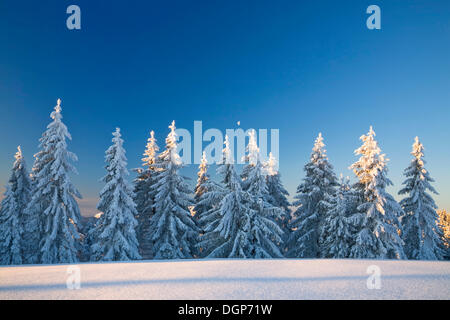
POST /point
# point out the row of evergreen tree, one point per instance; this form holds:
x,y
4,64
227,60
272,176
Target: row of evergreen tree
x,y
243,216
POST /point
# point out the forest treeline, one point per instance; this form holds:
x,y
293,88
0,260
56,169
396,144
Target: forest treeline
x,y
244,215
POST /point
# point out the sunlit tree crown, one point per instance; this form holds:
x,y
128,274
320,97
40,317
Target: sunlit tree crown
x,y
150,151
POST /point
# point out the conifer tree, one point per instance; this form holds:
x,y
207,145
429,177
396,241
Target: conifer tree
x,y
320,183
444,226
378,236
115,232
242,225
200,188
32,224
421,233
29,221
265,234
53,200
14,248
10,230
207,193
338,232
145,195
278,194
172,227
227,226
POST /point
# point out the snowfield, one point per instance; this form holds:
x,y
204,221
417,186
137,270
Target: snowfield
x,y
230,279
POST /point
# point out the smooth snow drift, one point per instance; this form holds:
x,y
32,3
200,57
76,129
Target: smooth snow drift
x,y
230,279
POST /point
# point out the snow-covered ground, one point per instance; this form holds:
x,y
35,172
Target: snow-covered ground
x,y
230,279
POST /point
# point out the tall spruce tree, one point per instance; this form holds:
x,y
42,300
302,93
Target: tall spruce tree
x,y
278,195
378,236
421,233
115,232
207,195
338,232
201,187
207,192
54,195
320,183
265,234
207,200
172,227
10,230
444,226
14,248
227,225
32,225
145,195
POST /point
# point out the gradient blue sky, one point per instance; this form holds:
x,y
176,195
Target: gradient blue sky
x,y
301,66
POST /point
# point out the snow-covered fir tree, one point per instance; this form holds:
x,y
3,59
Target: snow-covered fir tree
x,y
266,237
54,195
421,233
200,187
378,236
320,183
207,196
14,248
341,221
207,193
227,225
172,227
145,194
10,230
444,225
278,194
29,220
115,232
243,224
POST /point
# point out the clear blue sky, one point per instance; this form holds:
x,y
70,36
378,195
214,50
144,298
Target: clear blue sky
x,y
303,67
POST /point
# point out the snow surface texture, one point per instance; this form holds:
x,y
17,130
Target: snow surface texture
x,y
231,279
